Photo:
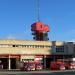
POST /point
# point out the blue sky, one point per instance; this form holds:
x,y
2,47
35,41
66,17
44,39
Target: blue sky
x,y
16,17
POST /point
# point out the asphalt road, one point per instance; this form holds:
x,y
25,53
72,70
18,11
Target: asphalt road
x,y
38,73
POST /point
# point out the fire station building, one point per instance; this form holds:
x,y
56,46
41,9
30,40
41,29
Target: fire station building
x,y
12,52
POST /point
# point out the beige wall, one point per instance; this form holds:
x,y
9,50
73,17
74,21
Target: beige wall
x,y
14,50
25,51
25,42
59,43
69,48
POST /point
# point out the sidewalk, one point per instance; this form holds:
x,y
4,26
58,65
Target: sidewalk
x,y
12,72
42,71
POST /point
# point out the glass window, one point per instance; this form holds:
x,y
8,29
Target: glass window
x,y
59,48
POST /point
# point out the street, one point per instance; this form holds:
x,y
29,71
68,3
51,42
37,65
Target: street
x,y
37,73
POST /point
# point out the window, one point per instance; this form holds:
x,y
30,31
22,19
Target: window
x,y
31,46
59,48
13,45
48,46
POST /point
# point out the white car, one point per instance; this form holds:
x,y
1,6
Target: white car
x,y
72,65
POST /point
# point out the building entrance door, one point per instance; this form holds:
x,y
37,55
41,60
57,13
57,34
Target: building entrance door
x,y
48,61
9,61
3,63
13,63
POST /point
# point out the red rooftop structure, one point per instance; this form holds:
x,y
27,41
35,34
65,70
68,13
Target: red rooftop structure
x,y
40,31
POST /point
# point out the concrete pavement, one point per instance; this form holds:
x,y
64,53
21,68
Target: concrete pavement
x,y
44,72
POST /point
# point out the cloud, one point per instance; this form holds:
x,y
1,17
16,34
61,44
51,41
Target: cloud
x,y
73,40
10,37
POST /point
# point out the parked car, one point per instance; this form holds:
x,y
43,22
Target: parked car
x,y
27,66
39,66
57,65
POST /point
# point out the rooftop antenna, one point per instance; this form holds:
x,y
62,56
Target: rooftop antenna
x,y
38,9
39,29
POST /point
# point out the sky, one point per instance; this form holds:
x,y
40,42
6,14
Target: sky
x,y
16,17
